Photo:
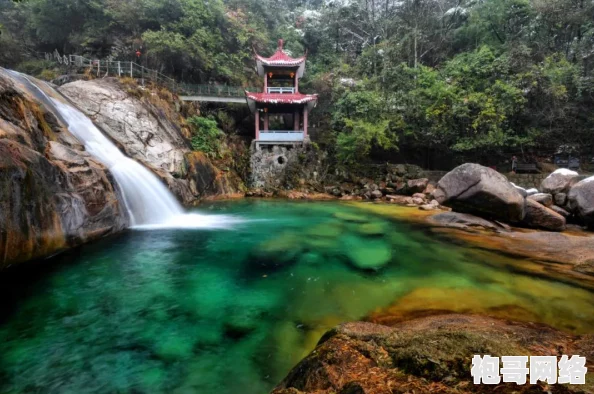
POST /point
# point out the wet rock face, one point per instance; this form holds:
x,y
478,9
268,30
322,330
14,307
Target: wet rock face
x,y
430,354
472,188
144,132
53,195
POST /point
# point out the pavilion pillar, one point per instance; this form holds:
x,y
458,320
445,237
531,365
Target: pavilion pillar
x,y
305,121
266,121
257,125
265,83
296,84
296,120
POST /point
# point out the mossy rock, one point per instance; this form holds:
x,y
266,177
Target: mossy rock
x,y
322,244
278,251
326,230
373,228
367,254
351,217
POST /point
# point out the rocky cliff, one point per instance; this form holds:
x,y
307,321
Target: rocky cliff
x,y
148,127
53,195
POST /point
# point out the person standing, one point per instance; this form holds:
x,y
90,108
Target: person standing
x,y
514,164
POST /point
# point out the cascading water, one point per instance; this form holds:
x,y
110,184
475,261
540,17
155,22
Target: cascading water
x,y
147,199
149,203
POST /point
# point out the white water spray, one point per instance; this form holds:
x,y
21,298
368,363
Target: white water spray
x,y
150,204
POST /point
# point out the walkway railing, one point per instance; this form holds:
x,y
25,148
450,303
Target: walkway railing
x,y
215,90
104,68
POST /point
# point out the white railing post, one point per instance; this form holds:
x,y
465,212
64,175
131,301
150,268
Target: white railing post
x,y
119,69
131,74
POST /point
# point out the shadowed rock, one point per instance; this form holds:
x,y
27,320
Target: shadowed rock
x,y
472,188
581,200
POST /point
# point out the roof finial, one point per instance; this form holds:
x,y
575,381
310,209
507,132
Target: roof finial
x,y
280,44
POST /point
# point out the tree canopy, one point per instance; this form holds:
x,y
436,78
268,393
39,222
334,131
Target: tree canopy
x,y
475,78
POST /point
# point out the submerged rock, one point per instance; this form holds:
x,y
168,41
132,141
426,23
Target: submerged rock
x,y
464,221
472,188
430,354
368,254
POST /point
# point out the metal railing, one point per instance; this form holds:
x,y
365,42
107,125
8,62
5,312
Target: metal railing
x,y
108,67
104,68
281,135
281,90
215,90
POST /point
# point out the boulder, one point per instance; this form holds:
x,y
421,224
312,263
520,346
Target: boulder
x,y
433,205
542,198
560,199
522,191
539,216
559,181
581,200
472,188
560,211
532,191
429,190
416,185
397,199
376,194
418,201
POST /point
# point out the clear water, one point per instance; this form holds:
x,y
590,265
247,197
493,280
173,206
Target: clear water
x,y
232,310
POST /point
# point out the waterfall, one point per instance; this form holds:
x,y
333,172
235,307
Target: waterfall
x,y
148,202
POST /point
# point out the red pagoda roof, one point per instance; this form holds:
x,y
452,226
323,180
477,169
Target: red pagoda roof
x,y
280,58
281,98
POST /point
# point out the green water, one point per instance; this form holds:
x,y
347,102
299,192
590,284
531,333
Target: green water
x,y
231,311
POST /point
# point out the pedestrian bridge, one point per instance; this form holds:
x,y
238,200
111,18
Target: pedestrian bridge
x,y
214,93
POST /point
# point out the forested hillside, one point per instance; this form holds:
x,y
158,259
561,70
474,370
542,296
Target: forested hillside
x,y
465,79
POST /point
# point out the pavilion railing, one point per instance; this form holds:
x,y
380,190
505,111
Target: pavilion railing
x,y
281,135
281,90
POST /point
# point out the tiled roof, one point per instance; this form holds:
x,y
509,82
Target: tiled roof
x,y
280,58
281,98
